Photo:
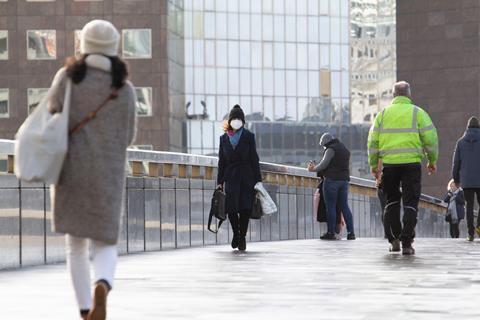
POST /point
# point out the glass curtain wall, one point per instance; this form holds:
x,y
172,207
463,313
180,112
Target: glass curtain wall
x,y
373,57
286,62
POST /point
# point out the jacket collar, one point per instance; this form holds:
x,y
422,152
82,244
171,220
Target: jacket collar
x,y
402,100
240,141
331,142
98,61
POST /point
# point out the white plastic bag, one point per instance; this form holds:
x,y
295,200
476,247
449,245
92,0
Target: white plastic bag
x,y
42,142
268,206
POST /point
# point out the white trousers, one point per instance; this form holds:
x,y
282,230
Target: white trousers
x,y
104,260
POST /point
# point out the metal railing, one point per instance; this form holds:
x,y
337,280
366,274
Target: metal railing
x,y
167,205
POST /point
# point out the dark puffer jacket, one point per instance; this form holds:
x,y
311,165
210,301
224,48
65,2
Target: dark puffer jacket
x,y
466,169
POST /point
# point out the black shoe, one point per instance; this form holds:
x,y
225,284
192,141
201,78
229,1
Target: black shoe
x,y
235,242
328,236
242,244
395,246
408,251
351,236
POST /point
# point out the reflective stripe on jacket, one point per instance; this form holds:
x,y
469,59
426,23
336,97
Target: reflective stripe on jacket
x,y
402,133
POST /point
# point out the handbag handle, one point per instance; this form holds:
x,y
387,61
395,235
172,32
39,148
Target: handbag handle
x,y
92,115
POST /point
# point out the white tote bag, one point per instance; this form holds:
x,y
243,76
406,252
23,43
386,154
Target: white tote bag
x,y
268,205
42,142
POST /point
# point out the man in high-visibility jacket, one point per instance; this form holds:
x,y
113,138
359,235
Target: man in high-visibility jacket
x,y
400,137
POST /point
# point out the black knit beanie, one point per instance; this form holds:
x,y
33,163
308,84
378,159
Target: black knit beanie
x,y
236,113
473,123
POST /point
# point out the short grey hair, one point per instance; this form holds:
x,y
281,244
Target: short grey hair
x,y
402,88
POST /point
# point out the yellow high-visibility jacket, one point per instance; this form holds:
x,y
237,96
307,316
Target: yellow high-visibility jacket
x,y
402,133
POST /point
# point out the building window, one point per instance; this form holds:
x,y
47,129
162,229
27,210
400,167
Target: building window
x,y
144,101
41,45
3,44
35,95
76,39
4,95
137,43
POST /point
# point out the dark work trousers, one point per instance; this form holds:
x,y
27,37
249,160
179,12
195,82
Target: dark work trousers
x,y
409,177
454,230
470,200
239,225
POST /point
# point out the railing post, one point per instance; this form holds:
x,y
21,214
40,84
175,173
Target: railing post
x,y
10,164
182,171
137,168
209,173
168,170
196,172
153,169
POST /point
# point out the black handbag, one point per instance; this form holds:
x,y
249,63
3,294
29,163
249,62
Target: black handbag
x,y
217,209
257,211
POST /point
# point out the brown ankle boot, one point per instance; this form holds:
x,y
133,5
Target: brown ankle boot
x,y
99,310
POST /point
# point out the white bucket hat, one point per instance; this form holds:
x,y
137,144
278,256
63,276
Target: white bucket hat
x,y
101,37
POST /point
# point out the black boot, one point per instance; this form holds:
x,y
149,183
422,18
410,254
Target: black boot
x,y
242,244
328,236
235,241
244,220
233,218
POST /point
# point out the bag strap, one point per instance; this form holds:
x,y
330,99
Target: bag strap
x,y
210,217
92,115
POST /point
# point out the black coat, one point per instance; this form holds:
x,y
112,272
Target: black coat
x,y
239,169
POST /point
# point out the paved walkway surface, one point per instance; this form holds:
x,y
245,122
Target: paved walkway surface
x,y
272,280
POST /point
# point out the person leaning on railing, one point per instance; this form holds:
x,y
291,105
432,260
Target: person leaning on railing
x,y
335,168
401,135
87,201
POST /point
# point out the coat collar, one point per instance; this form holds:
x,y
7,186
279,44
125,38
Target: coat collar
x,y
240,141
98,61
402,100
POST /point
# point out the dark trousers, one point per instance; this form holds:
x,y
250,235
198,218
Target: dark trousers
x,y
470,200
409,177
239,223
336,195
454,230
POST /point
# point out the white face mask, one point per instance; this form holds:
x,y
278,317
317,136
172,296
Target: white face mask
x,y
236,124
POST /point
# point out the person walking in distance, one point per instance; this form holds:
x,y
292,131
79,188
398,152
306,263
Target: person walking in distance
x,y
466,171
238,172
87,199
455,200
400,137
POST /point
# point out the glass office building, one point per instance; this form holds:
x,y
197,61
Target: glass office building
x,y
286,62
298,68
373,59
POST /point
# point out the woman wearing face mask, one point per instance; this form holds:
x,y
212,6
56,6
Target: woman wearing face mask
x,y
238,172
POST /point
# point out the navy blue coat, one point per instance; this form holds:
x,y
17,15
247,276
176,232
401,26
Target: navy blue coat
x,y
239,169
466,169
